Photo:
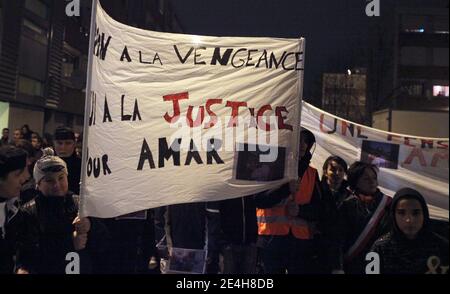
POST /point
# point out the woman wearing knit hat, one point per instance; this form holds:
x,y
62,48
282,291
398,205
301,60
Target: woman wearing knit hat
x,y
411,247
51,225
13,174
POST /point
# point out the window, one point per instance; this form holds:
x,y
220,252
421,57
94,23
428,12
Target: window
x,y
67,69
68,65
35,32
413,56
37,7
32,58
440,91
413,23
440,57
33,27
31,87
33,50
1,25
413,87
161,6
440,24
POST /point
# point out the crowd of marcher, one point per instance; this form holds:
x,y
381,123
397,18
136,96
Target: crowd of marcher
x,y
310,225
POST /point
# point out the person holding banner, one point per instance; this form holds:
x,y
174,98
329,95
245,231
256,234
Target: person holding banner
x,y
334,192
13,174
364,216
51,228
287,218
411,247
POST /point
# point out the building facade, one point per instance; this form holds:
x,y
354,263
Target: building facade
x,y
344,95
43,57
410,68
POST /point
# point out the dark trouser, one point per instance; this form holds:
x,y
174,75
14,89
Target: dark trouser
x,y
286,254
239,259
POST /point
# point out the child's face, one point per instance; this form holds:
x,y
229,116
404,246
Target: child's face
x,y
335,174
367,183
409,217
54,184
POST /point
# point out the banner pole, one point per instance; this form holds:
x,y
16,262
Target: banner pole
x,y
301,74
87,107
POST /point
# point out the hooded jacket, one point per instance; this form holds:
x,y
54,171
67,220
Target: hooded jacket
x,y
427,253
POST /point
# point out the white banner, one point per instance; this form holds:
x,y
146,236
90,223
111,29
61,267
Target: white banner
x,y
225,100
404,161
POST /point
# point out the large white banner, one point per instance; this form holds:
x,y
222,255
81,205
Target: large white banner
x,y
404,161
180,118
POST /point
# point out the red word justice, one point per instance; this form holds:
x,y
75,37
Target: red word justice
x,y
234,106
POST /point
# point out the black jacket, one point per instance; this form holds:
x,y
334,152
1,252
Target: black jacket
x,y
402,256
186,225
28,191
354,215
238,224
428,252
74,169
45,237
330,249
8,241
132,242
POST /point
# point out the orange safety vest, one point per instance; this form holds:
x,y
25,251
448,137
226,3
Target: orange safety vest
x,y
274,221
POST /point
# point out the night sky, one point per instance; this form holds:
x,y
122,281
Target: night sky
x,y
336,31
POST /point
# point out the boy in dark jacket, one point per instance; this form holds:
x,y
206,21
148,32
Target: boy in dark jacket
x,y
51,229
